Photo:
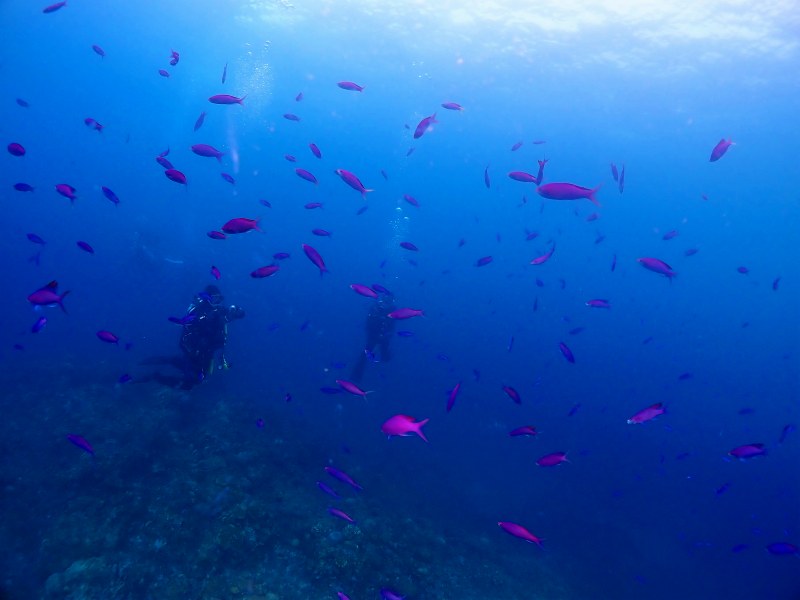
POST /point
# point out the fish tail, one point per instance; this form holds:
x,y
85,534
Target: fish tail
x,y
61,301
419,431
592,193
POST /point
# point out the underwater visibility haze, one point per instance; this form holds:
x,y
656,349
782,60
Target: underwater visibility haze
x,y
375,299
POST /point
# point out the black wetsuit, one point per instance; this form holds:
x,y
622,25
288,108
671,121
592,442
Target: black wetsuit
x,y
379,329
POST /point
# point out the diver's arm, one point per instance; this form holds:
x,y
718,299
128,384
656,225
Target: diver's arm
x,y
234,312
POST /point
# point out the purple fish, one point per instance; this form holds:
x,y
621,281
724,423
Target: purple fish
x,y
207,151
163,162
598,303
200,120
228,177
53,7
513,394
621,186
328,489
614,172
566,352
405,313
39,325
553,459
321,232
78,440
540,174
775,283
343,477
22,103
424,125
16,149
315,150
110,195
308,176
349,386
341,515
85,246
176,176
107,336
315,258
657,266
647,414
93,124
174,57
364,290
411,200
544,257
216,235
690,252
381,289
451,398
486,180
291,117
520,532
23,187
452,106
522,176
350,86
266,271
312,205
48,296
528,430
281,255
163,73
748,451
567,191
782,549
241,225
387,594
409,246
669,235
353,181
225,73
483,261
720,149
226,99
215,273
516,146
35,239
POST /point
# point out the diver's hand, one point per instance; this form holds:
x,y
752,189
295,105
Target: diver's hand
x,y
235,312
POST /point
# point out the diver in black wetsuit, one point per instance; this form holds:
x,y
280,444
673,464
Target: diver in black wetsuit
x,y
202,342
379,328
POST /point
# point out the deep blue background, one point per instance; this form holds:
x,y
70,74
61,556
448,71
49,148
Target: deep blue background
x,y
628,515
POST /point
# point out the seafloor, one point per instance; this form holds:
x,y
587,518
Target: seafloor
x,y
187,498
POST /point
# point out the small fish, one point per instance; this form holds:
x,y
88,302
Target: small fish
x,y
35,239
486,180
224,72
281,255
647,414
241,225
539,260
613,262
349,386
516,146
424,125
387,594
553,459
525,430
567,191
405,313
520,532
291,117
321,232
576,330
23,187
787,429
228,177
124,378
403,425
226,99
16,149
621,185
512,393
614,172
174,57
93,124
266,271
522,176
53,7
670,235
216,235
340,514
782,548
720,149
411,200
312,205
598,303
299,97
483,261
85,246
451,397
315,150
566,352
110,195
574,409
208,151
657,266
164,162
404,333
775,282
48,296
163,72
748,451
176,176
184,320
690,252
353,181
200,120
409,246
107,336
363,290
23,103
452,106
510,344
307,175
328,489
350,86
76,439
39,325
316,258
67,191
343,477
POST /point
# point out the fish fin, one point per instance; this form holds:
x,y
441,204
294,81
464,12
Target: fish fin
x,y
61,302
592,193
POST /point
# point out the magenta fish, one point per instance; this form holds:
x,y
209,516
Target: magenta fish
x,y
174,57
343,477
315,258
48,296
520,532
315,150
53,7
266,271
176,176
403,425
164,162
321,232
720,149
163,72
241,225
67,191
341,515
566,352
553,459
207,151
364,290
215,272
567,191
540,174
226,99
350,86
93,124
598,303
312,205
424,125
544,257
110,195
452,106
405,313
308,176
483,261
108,337
39,325
78,440
522,176
647,414
15,149
216,235
411,200
353,181
349,386
513,394
451,398
657,266
528,430
748,451
228,177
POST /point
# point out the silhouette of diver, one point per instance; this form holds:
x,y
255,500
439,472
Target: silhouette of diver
x,y
379,328
202,343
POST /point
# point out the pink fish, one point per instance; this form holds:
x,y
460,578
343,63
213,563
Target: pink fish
x,y
67,191
207,151
522,176
566,352
520,532
529,430
540,174
215,273
176,176
226,99
567,191
598,303
78,440
107,336
647,414
403,425
451,398
544,257
349,386
241,225
364,290
48,296
307,175
350,86
343,477
452,106
424,125
266,271
216,235
513,394
405,313
174,57
315,258
353,181
657,266
748,451
553,459
341,515
53,7
315,150
720,149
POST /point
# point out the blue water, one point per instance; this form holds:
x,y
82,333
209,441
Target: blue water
x,y
186,497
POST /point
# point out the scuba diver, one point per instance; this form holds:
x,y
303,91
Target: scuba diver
x,y
202,342
379,328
